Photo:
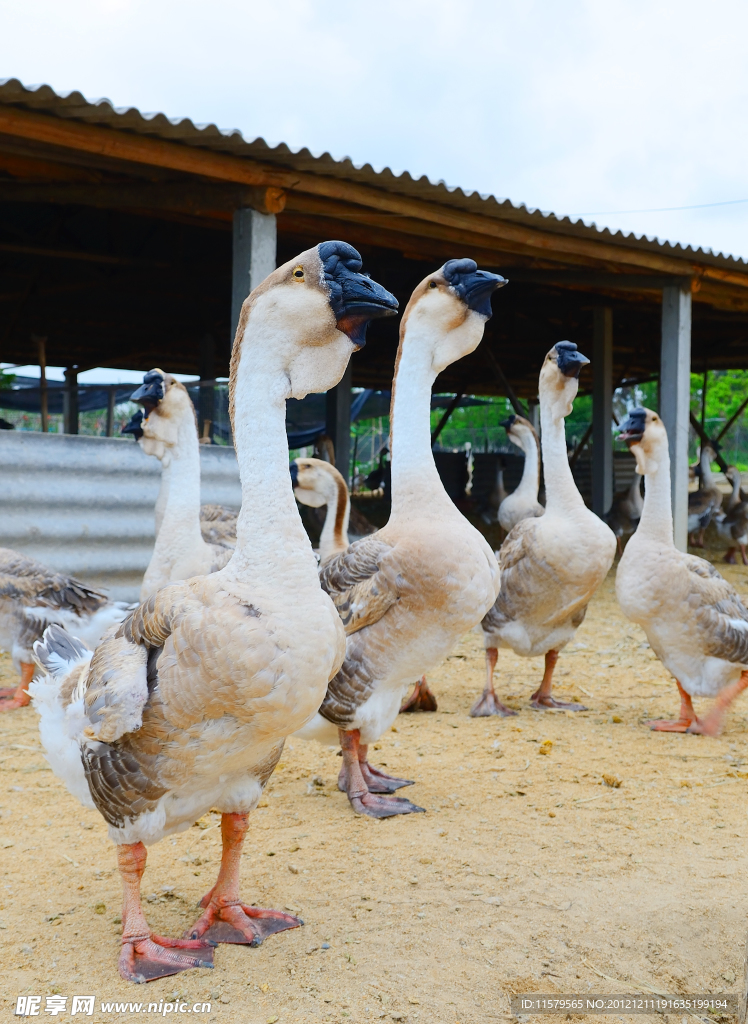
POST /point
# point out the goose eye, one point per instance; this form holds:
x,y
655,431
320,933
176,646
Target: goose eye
x,y
432,284
298,273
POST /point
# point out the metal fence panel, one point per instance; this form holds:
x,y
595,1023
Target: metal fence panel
x,y
85,505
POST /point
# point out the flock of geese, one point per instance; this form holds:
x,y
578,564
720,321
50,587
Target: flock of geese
x,y
155,713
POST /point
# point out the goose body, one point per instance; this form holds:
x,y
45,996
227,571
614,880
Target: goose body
x,y
186,706
523,502
695,622
732,525
410,591
551,566
32,597
706,502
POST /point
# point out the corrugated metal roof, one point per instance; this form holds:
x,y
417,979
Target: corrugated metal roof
x,y
75,106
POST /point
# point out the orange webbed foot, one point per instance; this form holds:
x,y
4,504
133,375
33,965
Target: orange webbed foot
x,y
239,924
152,957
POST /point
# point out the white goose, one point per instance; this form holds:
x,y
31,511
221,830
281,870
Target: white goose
x,y
32,596
186,706
410,591
169,432
523,502
695,622
550,566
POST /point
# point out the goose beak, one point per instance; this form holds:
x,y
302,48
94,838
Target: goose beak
x,y
569,360
632,429
134,427
150,392
475,287
508,423
354,297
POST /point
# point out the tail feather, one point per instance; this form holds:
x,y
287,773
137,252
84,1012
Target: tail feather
x,y
58,652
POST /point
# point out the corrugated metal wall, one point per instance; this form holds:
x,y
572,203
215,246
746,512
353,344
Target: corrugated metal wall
x,y
84,505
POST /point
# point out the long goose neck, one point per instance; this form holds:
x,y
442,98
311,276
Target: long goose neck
x,y
181,512
560,489
415,480
334,536
272,547
707,477
735,496
163,496
530,482
657,515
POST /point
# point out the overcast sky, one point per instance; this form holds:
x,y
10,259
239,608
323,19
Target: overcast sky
x,y
580,107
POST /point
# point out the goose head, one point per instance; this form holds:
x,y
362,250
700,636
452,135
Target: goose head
x,y
519,430
302,324
644,433
315,482
449,309
559,378
167,410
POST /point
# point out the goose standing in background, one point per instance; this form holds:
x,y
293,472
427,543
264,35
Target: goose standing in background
x,y
550,566
625,512
695,622
732,525
523,502
186,707
410,591
705,502
32,596
317,483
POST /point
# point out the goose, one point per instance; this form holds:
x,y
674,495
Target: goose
x,y
694,620
187,705
624,513
523,502
316,483
705,502
489,513
31,597
410,591
551,566
732,525
168,431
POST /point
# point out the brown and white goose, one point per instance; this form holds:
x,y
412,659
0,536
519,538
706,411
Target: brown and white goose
x,y
32,596
695,622
318,483
169,432
704,503
409,592
550,566
732,525
523,502
186,706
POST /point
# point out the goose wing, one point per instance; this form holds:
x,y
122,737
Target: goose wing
x,y
721,616
27,581
362,582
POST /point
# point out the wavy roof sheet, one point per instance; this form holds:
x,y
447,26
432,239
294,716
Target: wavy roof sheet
x,y
75,106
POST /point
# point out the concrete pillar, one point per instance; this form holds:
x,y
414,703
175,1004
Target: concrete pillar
x,y
70,401
254,255
602,409
675,393
338,422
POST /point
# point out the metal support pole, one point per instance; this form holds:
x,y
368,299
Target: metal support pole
x,y
110,399
338,422
70,401
602,410
255,255
675,394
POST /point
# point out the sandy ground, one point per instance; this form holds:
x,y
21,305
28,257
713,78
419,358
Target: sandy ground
x,y
528,873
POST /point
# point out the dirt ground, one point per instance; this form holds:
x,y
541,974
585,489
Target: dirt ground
x,y
529,873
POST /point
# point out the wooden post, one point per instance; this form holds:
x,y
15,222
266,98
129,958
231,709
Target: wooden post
x,y
338,422
254,255
675,398
602,410
70,401
43,396
110,397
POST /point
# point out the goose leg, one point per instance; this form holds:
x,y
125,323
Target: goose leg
x,y
711,724
145,956
743,555
376,780
421,699
353,782
687,716
542,698
11,699
730,556
488,703
226,918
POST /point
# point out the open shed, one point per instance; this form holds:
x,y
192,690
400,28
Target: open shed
x,y
132,239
